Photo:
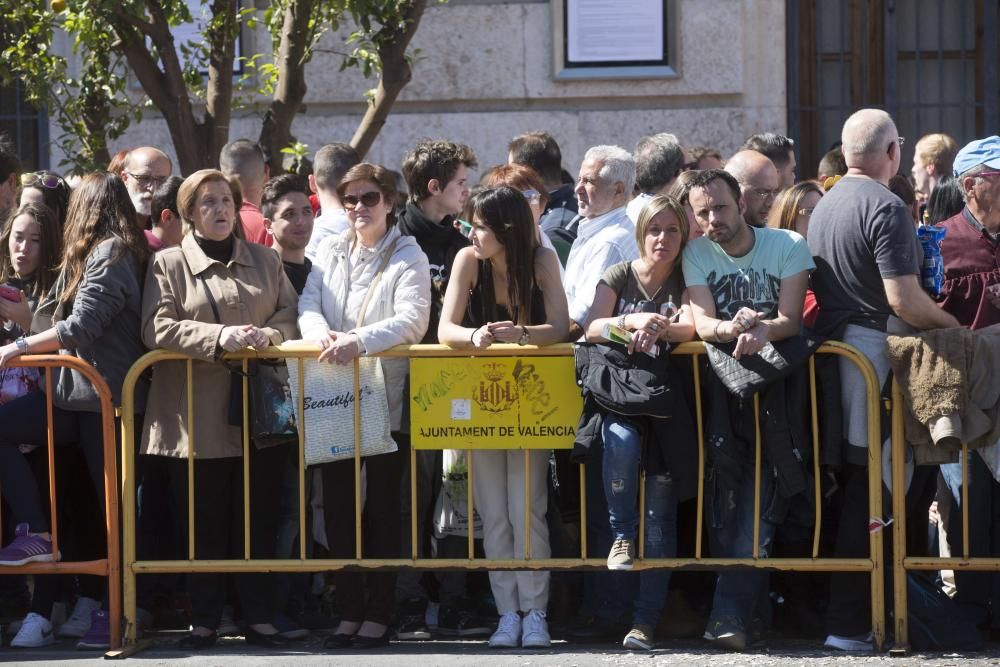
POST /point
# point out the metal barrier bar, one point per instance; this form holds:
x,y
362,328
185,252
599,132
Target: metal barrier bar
x,y
470,503
109,567
700,510
814,420
756,476
901,628
246,462
872,564
190,458
302,461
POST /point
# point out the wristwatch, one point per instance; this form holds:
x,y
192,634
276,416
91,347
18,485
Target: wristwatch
x,y
524,336
22,346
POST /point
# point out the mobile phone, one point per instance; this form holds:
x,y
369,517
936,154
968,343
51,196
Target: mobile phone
x,y
10,293
616,334
464,228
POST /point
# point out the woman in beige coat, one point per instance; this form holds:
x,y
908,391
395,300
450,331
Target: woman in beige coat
x,y
215,293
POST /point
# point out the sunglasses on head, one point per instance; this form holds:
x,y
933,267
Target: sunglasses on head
x,y
369,199
50,181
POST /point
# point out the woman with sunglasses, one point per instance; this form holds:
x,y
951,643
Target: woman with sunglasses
x,y
506,289
792,210
647,297
371,263
47,189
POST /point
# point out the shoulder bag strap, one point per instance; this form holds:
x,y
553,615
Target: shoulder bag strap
x,y
211,299
374,283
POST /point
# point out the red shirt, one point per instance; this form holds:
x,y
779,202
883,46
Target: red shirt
x,y
971,272
253,225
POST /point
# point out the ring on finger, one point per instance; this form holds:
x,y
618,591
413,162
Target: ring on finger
x,y
654,327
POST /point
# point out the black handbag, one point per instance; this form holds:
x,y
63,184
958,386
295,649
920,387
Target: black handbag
x,y
752,372
271,410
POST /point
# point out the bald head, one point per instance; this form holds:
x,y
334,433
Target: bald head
x,y
758,179
871,144
146,169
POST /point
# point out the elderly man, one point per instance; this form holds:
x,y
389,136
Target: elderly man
x,y
658,161
867,283
605,235
146,169
759,184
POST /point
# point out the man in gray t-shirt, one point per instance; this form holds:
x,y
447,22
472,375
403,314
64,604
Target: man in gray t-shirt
x,y
866,279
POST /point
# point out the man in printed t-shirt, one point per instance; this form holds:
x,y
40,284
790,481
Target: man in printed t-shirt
x,y
746,284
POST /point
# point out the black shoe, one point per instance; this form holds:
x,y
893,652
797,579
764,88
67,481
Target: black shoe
x,y
338,641
195,642
412,627
254,638
368,643
458,622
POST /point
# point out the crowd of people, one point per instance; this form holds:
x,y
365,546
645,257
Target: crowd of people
x,y
639,251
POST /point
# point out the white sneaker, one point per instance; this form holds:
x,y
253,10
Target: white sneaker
x,y
79,621
535,632
35,631
508,632
856,644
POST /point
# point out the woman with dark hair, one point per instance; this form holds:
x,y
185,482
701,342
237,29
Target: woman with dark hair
x,y
30,252
216,293
95,310
506,289
648,298
369,289
946,200
47,189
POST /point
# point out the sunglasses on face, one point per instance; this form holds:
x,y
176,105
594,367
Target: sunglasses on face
x,y
368,199
50,181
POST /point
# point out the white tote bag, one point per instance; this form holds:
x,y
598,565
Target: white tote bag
x,y
329,409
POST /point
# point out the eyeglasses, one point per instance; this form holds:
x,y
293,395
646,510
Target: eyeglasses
x,y
806,211
983,174
763,193
147,181
50,181
369,199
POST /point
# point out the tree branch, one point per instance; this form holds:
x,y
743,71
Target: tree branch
x,y
396,73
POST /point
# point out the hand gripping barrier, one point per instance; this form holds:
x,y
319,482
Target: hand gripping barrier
x,y
110,566
134,567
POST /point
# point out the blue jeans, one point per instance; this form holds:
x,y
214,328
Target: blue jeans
x,y
730,496
622,454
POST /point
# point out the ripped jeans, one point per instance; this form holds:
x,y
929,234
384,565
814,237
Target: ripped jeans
x,y
730,504
622,453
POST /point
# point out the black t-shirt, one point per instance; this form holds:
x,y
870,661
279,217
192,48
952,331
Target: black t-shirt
x,y
440,241
633,298
298,274
859,233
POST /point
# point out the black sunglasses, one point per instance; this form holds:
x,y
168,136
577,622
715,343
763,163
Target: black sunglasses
x,y
369,199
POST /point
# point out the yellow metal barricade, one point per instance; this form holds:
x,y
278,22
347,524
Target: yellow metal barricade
x,y
110,566
133,567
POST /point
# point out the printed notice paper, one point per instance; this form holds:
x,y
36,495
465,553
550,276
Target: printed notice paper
x,y
614,30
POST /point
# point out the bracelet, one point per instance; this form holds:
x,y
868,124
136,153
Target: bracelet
x,y
523,340
472,338
718,338
621,321
22,345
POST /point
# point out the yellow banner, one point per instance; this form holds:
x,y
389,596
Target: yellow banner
x,y
494,403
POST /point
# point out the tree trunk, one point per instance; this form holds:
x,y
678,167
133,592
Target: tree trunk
x,y
219,89
396,73
276,130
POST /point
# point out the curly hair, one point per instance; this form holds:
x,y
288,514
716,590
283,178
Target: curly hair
x,y
434,160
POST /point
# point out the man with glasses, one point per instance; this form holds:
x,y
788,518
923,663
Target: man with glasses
x,y
867,284
758,181
146,169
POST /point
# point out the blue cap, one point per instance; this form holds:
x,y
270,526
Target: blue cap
x,y
981,151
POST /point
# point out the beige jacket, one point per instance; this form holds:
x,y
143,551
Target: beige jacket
x,y
177,316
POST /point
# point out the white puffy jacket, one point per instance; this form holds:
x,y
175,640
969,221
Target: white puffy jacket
x,y
397,313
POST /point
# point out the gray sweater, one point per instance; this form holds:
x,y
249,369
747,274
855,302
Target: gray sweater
x,y
102,328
